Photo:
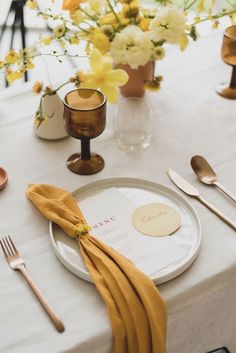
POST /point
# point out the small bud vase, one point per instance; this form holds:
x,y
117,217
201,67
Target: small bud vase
x,y
53,128
137,78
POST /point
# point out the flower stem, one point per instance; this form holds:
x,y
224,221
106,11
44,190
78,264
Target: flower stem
x,y
187,6
62,85
58,55
215,17
87,14
113,11
48,93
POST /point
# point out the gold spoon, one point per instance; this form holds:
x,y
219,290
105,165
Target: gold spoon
x,y
207,175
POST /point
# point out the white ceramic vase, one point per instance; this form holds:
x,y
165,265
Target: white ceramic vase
x,y
54,128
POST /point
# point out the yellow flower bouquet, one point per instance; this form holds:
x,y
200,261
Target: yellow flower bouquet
x,y
117,34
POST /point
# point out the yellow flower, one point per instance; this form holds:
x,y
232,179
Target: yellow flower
x,y
37,87
108,19
215,24
71,5
111,19
123,19
14,75
100,41
96,5
63,43
107,29
29,65
22,54
77,17
49,91
11,57
74,39
38,119
201,5
183,43
130,10
104,77
1,64
46,40
158,53
197,19
29,52
154,85
87,48
82,229
144,24
46,16
78,78
31,4
59,31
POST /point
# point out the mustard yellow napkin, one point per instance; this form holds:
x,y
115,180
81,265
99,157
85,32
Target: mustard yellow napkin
x,y
136,310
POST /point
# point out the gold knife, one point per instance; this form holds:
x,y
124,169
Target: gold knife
x,y
193,192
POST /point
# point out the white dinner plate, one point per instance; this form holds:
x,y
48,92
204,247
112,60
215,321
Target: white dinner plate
x,y
174,254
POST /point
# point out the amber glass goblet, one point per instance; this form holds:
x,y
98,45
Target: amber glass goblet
x,y
228,54
85,119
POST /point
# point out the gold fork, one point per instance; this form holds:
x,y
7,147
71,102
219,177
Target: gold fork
x,y
16,262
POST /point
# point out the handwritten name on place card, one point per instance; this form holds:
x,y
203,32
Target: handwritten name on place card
x,y
156,219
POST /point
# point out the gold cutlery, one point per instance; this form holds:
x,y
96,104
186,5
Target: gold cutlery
x,y
16,262
207,175
193,192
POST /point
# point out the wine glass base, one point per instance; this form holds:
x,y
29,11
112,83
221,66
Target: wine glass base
x,y
85,167
225,91
133,142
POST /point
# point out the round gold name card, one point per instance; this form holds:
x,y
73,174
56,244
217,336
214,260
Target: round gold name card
x,y
156,219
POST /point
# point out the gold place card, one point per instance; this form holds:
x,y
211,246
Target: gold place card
x,y
156,219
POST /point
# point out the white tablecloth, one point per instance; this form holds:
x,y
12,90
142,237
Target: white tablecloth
x,y
190,118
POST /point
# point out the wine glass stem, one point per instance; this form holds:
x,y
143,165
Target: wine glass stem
x,y
233,78
85,149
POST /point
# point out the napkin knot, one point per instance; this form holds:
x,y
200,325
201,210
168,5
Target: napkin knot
x,y
82,229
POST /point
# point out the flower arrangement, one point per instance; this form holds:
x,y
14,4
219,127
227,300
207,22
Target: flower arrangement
x,y
116,32
102,76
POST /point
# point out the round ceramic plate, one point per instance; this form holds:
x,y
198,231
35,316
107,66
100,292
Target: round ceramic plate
x,y
164,257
